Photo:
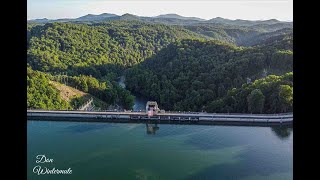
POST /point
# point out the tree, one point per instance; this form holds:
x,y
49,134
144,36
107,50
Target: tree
x,y
255,101
221,90
285,97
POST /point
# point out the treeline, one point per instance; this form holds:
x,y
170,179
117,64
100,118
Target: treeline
x,y
41,94
273,94
190,74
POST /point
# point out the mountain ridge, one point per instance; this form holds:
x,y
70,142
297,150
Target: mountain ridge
x,y
110,16
177,16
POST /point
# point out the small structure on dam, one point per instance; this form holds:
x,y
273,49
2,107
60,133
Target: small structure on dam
x,y
152,108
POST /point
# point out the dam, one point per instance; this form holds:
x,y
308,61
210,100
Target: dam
x,y
161,117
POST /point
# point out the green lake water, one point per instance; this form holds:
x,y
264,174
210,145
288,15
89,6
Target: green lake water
x,y
110,151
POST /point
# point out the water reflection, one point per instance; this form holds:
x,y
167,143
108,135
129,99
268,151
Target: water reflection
x,y
85,127
283,132
152,128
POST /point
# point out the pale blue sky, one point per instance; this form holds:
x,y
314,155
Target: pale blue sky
x,y
206,9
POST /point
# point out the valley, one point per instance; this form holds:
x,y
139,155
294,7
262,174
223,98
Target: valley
x,y
185,64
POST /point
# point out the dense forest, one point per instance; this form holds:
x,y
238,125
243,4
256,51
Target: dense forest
x,y
91,55
41,94
187,66
190,74
272,94
241,35
97,49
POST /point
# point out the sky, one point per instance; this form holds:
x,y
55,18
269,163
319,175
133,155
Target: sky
x,y
206,9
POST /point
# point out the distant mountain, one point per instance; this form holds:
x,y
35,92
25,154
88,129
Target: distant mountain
x,y
43,20
281,39
174,19
88,17
127,17
176,16
243,22
272,27
271,21
92,17
241,35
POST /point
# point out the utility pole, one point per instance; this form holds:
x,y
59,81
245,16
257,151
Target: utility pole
x,y
64,78
67,78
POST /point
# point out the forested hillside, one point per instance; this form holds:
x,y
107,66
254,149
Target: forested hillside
x,y
273,94
241,35
189,67
190,74
97,49
92,55
41,94
44,92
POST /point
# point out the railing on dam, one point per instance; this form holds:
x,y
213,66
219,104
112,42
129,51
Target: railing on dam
x,y
167,112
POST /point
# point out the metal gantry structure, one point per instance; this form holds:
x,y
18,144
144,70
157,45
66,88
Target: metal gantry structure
x,y
88,106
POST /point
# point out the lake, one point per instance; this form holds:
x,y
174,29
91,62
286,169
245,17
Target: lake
x,y
163,151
